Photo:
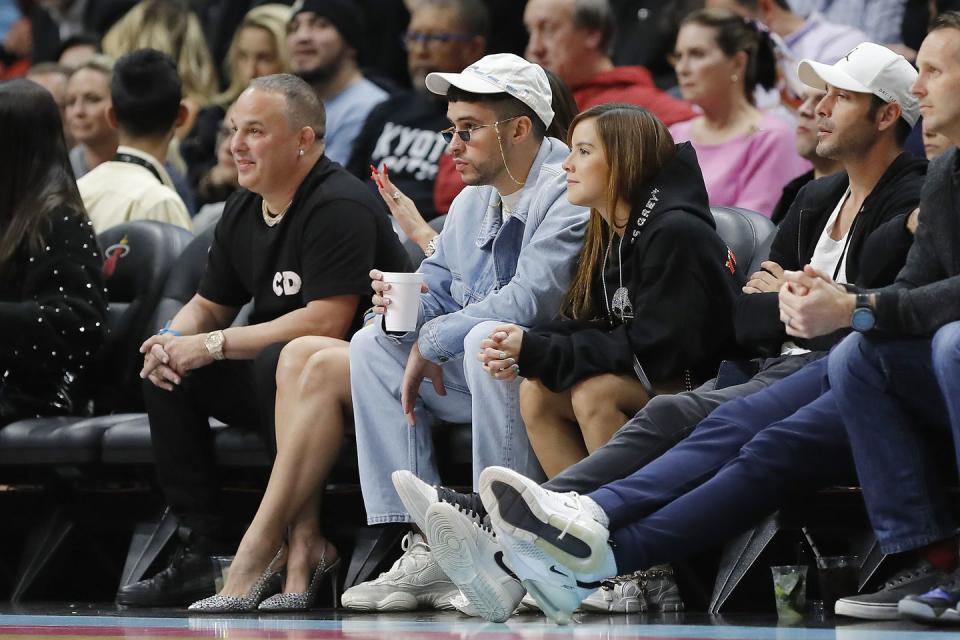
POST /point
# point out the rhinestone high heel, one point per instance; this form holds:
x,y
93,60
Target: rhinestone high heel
x,y
264,586
304,600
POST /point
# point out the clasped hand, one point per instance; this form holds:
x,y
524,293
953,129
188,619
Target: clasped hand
x,y
500,352
167,358
812,304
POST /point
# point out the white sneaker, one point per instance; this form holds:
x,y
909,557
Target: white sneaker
x,y
555,543
415,580
623,594
472,558
564,525
417,496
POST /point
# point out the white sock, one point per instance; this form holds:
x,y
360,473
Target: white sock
x,y
595,511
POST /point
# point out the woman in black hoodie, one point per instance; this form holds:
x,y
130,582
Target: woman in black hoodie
x,y
650,307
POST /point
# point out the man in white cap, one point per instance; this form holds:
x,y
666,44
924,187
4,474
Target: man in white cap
x,y
897,378
662,503
506,254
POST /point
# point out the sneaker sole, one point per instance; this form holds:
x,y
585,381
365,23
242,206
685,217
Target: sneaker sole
x,y
866,611
414,501
457,554
398,601
629,605
511,503
555,611
924,613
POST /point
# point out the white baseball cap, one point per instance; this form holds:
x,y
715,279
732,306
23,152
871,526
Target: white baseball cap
x,y
501,73
868,68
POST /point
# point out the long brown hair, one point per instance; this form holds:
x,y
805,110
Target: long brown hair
x,y
35,173
735,34
637,146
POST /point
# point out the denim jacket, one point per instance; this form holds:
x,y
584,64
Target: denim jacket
x,y
515,272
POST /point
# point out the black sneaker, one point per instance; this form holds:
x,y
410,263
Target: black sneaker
x,y
937,606
188,578
882,605
418,496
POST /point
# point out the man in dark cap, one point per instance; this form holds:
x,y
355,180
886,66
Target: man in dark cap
x,y
325,37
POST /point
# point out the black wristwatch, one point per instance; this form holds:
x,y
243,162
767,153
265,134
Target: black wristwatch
x,y
863,318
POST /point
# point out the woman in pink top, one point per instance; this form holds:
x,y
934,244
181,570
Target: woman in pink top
x,y
747,156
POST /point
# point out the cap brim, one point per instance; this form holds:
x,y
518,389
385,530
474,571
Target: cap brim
x,y
819,75
439,83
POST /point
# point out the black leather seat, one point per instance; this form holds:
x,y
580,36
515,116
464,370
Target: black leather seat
x,y
747,233
129,443
137,258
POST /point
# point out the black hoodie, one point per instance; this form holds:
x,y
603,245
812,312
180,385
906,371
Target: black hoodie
x,y
879,243
681,286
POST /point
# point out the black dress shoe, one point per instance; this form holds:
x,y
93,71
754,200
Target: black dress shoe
x,y
188,577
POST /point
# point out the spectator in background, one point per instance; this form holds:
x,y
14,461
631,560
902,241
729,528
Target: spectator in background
x,y
806,145
88,101
325,37
315,232
258,48
54,78
881,20
146,107
169,26
400,134
574,39
218,183
747,156
812,38
53,304
77,50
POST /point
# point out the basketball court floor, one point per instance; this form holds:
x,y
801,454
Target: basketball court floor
x,y
73,621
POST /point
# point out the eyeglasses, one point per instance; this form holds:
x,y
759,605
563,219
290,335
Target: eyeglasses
x,y
412,38
465,134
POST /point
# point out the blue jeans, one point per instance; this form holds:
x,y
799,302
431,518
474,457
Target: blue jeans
x,y
896,395
743,461
386,443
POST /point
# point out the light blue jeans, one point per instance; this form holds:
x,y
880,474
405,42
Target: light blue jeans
x,y
386,443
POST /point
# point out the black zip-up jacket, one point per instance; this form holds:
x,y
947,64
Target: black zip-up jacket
x,y
878,247
681,287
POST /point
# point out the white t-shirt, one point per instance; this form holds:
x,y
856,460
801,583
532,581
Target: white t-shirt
x,y
826,255
510,203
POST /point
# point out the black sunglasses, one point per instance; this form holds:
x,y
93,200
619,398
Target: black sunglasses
x,y
465,134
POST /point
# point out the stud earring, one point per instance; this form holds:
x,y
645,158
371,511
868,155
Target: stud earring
x,y
734,78
300,153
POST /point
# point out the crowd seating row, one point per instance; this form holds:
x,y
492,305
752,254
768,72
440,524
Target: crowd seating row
x,y
154,269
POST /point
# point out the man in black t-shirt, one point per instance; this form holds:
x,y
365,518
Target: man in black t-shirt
x,y
300,242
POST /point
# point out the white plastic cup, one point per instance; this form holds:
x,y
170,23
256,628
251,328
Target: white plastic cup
x,y
404,295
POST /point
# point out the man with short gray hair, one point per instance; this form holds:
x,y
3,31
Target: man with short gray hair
x,y
574,39
299,241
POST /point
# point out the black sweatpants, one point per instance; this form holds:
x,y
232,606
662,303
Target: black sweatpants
x,y
240,393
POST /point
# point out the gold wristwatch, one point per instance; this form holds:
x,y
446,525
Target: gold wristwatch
x,y
214,344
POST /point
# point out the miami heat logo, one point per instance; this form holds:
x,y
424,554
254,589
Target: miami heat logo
x,y
731,261
113,253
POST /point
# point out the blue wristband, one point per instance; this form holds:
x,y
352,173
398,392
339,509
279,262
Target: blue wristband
x,y
169,330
